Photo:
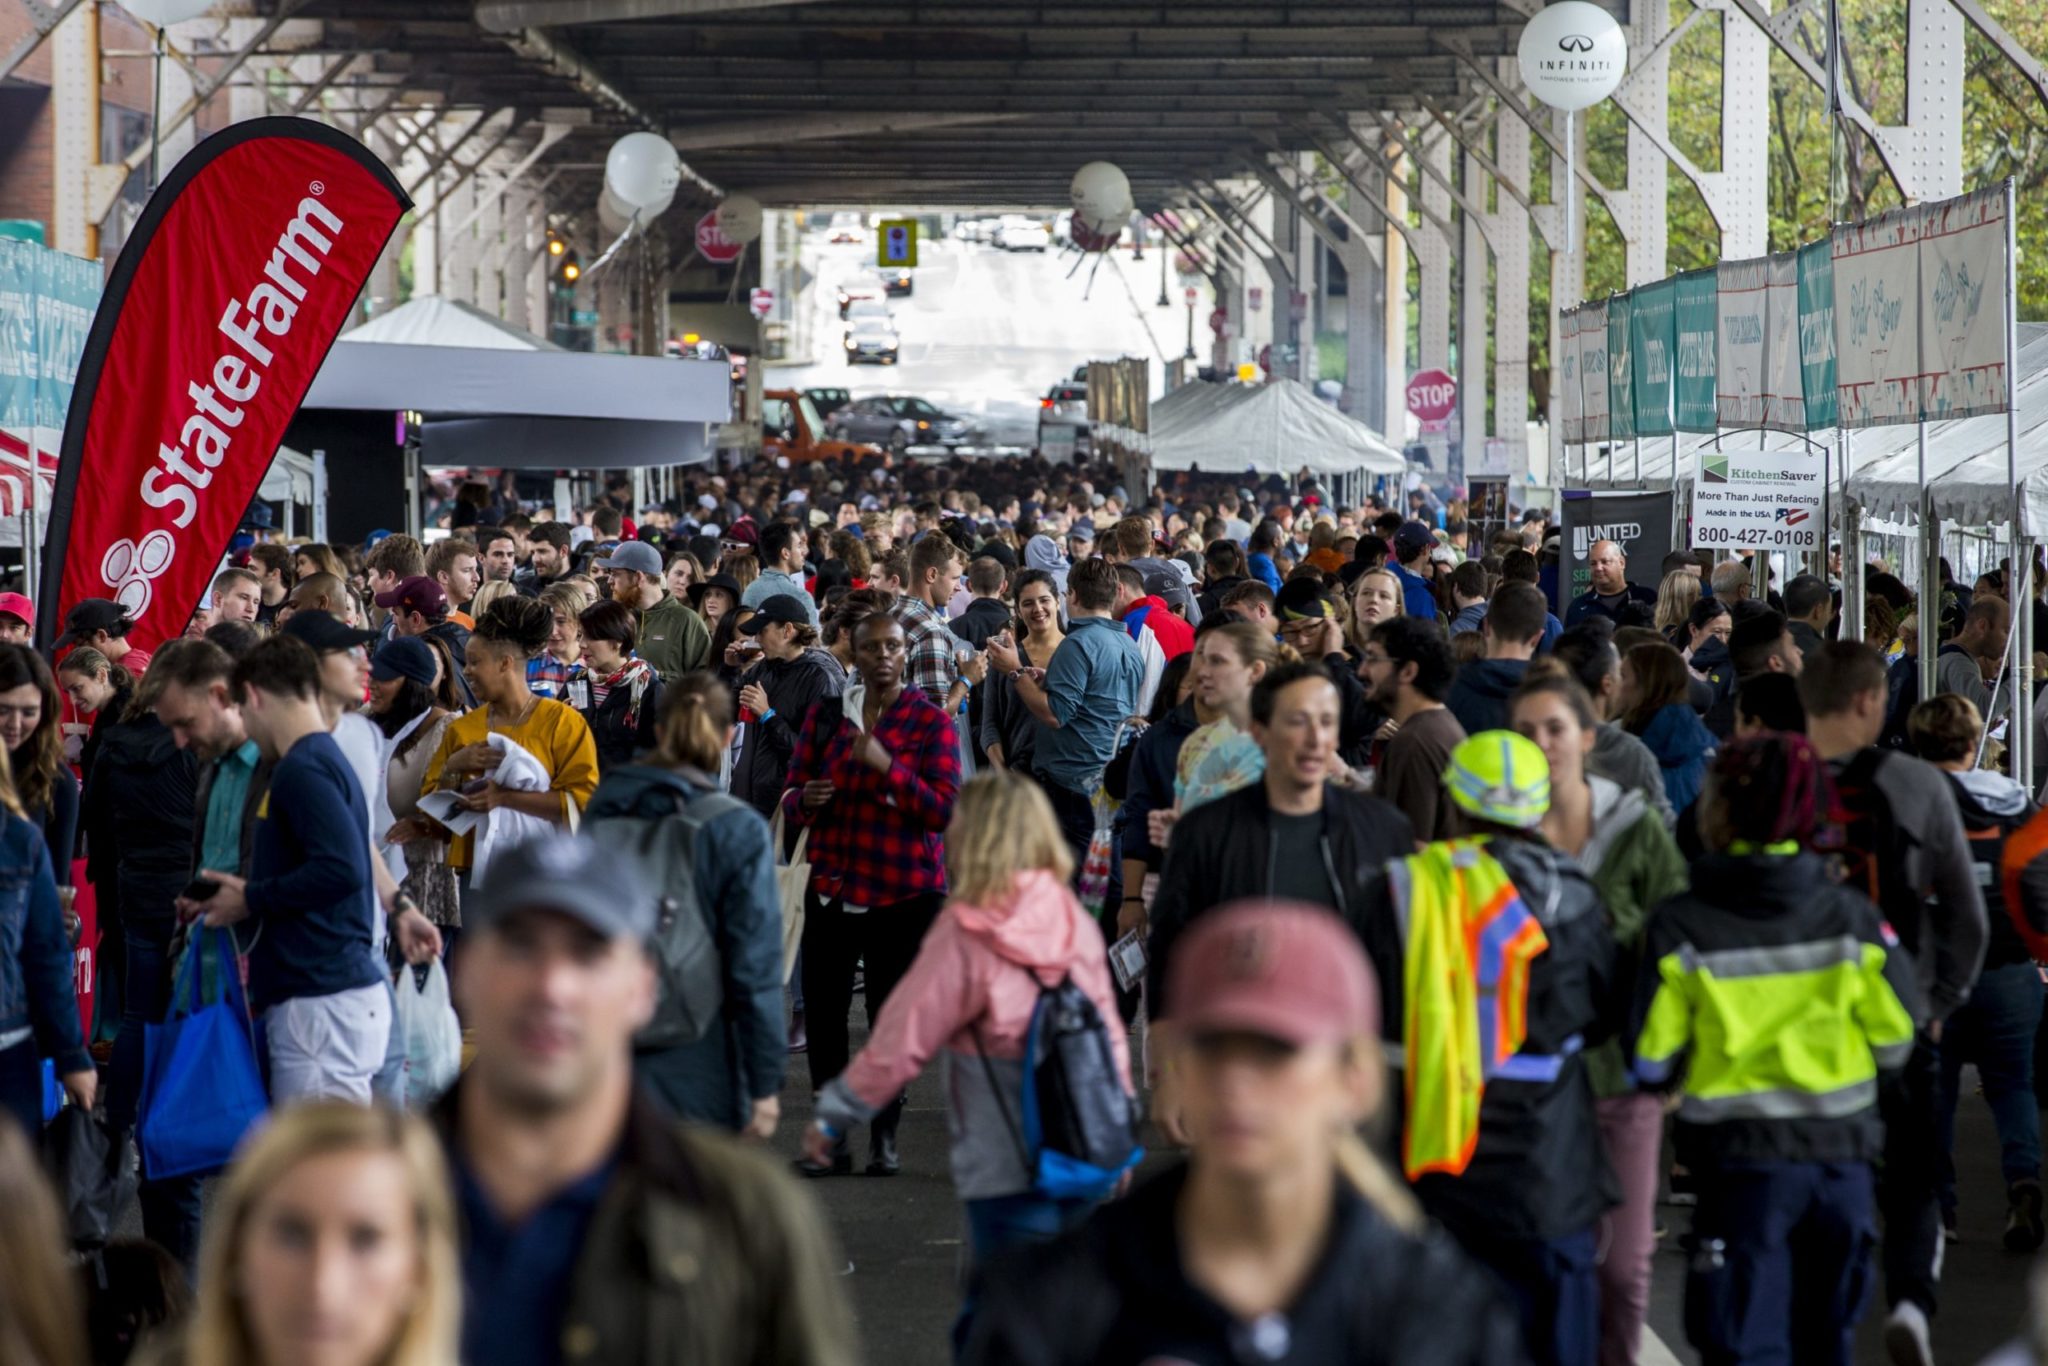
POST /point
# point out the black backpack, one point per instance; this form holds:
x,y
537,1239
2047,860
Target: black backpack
x,y
1078,1133
1872,859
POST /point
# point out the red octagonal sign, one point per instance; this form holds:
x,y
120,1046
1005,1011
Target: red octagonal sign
x,y
713,245
1431,395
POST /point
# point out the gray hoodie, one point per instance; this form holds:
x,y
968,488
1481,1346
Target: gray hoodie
x,y
1626,761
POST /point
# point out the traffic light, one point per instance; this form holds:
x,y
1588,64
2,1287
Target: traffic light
x,y
565,265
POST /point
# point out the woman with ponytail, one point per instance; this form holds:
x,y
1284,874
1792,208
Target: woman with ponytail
x,y
1281,1230
512,632
731,1077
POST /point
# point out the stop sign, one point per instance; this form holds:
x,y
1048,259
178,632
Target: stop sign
x,y
1431,395
762,302
713,245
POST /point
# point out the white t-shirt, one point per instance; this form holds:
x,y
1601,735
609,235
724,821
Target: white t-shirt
x,y
360,742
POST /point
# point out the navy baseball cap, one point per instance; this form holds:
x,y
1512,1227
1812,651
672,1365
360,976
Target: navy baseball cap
x,y
403,657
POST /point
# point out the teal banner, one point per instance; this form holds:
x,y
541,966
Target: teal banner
x,y
47,300
1653,340
1621,395
1817,334
1695,319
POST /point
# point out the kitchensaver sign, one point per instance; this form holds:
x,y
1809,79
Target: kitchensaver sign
x,y
1758,500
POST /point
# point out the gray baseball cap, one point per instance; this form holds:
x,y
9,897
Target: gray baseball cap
x,y
637,556
574,877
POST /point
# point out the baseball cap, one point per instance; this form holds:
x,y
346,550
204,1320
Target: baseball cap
x,y
1081,531
94,614
780,607
744,532
416,594
706,501
637,556
1303,600
578,878
1283,969
326,632
1412,537
403,657
1162,583
18,605
1500,777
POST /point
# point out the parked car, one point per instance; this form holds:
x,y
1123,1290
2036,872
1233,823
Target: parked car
x,y
858,288
899,421
828,401
897,283
1062,411
1023,234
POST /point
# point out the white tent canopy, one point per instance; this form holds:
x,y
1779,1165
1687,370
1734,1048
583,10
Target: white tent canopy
x,y
1278,427
525,403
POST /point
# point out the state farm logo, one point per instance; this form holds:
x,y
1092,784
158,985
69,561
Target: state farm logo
x,y
128,569
1575,42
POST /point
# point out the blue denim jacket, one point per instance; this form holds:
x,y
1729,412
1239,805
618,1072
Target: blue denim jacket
x,y
35,954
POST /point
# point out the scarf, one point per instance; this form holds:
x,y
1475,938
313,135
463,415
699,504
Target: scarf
x,y
634,675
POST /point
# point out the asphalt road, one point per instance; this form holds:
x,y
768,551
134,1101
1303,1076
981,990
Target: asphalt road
x,y
987,332
903,1236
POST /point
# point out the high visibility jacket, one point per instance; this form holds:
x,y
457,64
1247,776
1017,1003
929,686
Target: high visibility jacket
x,y
1771,997
1465,994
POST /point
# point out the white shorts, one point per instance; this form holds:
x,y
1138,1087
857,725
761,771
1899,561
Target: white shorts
x,y
328,1046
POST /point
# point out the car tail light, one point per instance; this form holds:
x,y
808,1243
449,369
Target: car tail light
x,y
1045,403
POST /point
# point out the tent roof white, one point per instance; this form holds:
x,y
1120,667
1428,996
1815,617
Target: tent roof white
x,y
524,403
1274,428
436,320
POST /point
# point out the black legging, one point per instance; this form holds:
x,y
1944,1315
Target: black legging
x,y
883,939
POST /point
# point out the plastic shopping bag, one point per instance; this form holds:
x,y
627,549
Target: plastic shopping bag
x,y
792,882
432,1035
91,1165
202,1088
1095,869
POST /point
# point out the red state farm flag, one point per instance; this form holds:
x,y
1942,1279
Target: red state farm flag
x,y
244,268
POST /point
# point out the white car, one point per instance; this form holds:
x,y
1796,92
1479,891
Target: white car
x,y
1023,234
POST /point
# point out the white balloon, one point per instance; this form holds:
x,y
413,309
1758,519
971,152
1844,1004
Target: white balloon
x,y
1573,55
164,12
1102,195
614,213
643,169
739,218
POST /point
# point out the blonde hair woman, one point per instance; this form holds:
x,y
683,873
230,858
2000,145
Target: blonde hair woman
x,y
1675,597
332,1241
1010,926
490,593
1375,598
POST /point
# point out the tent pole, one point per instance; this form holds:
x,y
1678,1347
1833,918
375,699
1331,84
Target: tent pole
x,y
2019,573
1930,574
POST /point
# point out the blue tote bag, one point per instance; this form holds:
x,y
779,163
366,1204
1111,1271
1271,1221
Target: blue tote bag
x,y
202,1088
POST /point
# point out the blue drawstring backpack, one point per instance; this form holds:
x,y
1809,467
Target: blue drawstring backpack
x,y
202,1087
1079,1131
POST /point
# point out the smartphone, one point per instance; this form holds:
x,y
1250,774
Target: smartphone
x,y
200,889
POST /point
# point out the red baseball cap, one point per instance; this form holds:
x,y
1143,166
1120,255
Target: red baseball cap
x,y
18,605
1283,969
417,594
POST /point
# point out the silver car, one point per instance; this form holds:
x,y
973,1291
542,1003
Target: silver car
x,y
898,422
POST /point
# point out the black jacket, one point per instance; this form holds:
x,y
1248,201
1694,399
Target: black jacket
x,y
1479,694
983,618
1358,718
457,637
794,686
1224,850
1210,600
621,731
1376,1297
139,810
1539,1170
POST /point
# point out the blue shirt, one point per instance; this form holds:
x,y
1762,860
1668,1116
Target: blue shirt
x,y
310,885
516,1281
1416,599
221,847
1092,685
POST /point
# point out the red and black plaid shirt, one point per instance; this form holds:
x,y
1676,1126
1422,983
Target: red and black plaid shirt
x,y
879,840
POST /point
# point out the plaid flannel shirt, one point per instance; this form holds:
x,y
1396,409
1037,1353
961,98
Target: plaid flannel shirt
x,y
929,662
880,839
550,677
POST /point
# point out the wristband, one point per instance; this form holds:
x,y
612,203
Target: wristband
x,y
768,714
827,1130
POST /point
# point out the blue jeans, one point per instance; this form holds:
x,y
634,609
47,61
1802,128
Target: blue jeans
x,y
1781,1265
170,1208
1995,1029
1001,1222
21,1088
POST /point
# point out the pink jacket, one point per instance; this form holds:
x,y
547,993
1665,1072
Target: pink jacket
x,y
978,975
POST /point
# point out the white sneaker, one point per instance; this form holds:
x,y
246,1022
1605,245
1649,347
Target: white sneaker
x,y
1905,1336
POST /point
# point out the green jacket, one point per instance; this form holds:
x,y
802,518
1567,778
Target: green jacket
x,y
673,638
700,1251
1635,864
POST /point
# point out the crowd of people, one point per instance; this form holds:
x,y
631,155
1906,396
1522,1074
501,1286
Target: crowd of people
x,y
1416,913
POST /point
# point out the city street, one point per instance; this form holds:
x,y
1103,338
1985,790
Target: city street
x,y
987,332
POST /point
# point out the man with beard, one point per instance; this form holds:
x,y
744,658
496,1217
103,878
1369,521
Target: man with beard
x,y
1408,664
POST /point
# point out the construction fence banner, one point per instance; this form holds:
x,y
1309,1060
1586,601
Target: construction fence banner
x,y
1817,334
1696,309
1963,326
1784,381
1758,500
1652,340
1621,392
1877,333
1640,523
47,300
1740,364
